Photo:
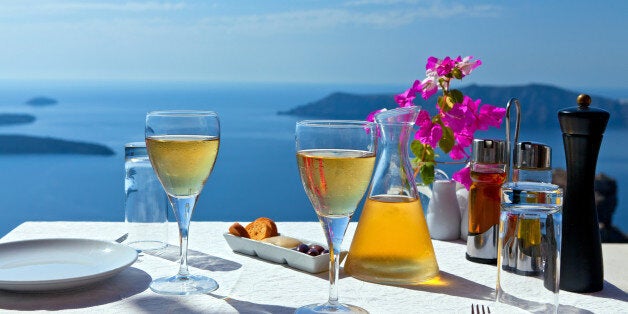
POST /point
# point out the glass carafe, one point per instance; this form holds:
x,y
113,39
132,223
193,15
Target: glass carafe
x,y
392,244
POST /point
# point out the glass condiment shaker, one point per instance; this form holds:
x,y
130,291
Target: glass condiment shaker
x,y
532,162
488,172
392,242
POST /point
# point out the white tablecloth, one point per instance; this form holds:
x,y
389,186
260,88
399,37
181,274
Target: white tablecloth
x,y
250,285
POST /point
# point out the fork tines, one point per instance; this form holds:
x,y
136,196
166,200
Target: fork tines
x,y
476,309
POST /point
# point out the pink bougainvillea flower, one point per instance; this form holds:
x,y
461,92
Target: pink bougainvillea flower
x,y
423,118
466,65
441,67
484,117
456,118
463,176
490,116
429,87
473,117
457,152
428,133
432,64
464,137
406,98
461,120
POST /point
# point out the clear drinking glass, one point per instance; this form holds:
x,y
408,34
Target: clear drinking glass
x,y
145,202
530,236
182,147
335,160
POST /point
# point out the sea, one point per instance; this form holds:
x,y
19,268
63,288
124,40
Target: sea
x,y
255,173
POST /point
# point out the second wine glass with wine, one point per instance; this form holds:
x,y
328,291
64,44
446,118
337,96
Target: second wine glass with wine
x,y
336,160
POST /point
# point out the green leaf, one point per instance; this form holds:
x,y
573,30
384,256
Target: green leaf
x,y
441,102
423,152
427,173
417,148
449,103
457,96
457,73
436,118
428,154
446,143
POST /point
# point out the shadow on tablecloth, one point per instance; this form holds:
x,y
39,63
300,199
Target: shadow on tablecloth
x,y
611,291
196,259
250,307
127,283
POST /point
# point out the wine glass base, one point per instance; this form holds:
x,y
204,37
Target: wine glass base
x,y
330,308
183,285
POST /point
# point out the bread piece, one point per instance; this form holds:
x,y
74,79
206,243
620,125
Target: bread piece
x,y
239,231
262,228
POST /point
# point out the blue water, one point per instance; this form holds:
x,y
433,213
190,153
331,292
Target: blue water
x,y
255,174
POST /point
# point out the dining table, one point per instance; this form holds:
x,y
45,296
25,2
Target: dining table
x,y
249,284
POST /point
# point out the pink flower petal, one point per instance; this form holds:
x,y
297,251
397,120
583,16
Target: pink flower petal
x,y
491,116
463,176
429,87
457,152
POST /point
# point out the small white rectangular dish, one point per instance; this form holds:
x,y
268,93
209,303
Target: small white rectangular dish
x,y
280,255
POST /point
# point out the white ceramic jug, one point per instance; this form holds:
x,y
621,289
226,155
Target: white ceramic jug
x,y
443,212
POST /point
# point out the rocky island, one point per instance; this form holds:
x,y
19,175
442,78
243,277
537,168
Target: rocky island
x,y
16,118
41,101
539,104
26,144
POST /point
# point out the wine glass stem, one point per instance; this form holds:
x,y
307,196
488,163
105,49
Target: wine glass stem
x,y
183,266
333,275
183,208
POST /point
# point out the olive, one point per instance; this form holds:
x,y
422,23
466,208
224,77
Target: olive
x,y
317,247
303,248
313,252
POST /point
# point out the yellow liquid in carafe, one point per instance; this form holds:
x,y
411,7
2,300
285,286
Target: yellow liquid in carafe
x,y
392,244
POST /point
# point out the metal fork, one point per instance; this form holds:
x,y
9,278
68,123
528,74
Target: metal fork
x,y
475,309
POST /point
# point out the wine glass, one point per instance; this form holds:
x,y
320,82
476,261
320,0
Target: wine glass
x,y
336,160
182,146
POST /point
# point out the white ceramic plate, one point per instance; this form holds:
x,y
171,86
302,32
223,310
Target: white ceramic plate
x,y
280,255
60,264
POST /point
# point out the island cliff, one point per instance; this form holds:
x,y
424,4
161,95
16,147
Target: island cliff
x,y
540,104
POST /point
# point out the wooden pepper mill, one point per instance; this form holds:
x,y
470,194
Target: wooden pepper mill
x,y
581,268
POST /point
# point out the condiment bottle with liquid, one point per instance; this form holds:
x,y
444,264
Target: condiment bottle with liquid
x,y
488,172
392,243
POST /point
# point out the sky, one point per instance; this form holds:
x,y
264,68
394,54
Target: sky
x,y
564,43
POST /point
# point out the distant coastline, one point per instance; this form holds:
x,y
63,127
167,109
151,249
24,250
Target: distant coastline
x,y
26,144
16,144
539,104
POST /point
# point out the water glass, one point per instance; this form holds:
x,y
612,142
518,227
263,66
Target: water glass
x,y
145,203
530,233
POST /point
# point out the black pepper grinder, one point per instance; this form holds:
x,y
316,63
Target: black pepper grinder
x,y
581,268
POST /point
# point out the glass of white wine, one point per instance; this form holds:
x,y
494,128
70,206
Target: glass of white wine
x,y
335,160
182,147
